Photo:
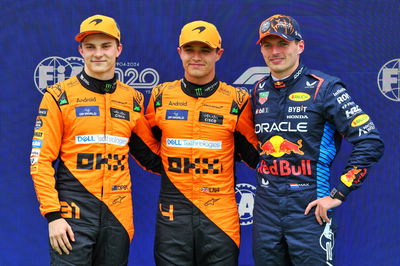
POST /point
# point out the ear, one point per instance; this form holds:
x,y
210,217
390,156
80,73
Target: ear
x,y
119,48
219,53
178,50
300,47
80,50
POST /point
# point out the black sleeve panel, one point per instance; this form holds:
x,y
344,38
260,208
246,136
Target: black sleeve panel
x,y
245,151
144,155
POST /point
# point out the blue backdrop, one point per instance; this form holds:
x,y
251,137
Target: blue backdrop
x,y
358,41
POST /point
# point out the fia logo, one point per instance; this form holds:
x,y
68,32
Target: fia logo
x,y
389,80
245,200
54,69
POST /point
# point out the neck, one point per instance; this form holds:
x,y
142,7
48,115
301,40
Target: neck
x,y
285,74
101,76
200,81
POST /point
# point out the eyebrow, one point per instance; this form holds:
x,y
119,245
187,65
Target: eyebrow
x,y
89,43
191,46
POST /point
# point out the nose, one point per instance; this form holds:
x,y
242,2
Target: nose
x,y
196,55
98,52
275,49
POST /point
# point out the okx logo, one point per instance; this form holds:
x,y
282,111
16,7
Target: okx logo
x,y
389,80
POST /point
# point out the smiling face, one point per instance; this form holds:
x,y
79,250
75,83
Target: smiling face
x,y
198,60
100,52
281,56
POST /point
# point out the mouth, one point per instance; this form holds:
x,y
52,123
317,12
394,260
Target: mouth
x,y
276,60
196,65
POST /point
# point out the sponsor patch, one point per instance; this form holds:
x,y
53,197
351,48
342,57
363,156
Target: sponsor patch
x,y
211,118
34,169
42,112
38,123
299,96
299,185
194,143
136,106
263,110
63,99
176,115
210,189
263,97
120,187
36,143
109,139
119,114
82,111
176,103
234,108
360,120
34,160
38,134
86,99
35,152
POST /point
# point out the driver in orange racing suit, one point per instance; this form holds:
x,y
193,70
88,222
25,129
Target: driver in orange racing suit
x,y
86,123
201,121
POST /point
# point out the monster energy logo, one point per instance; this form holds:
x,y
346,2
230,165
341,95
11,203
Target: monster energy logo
x,y
108,87
235,110
199,91
158,103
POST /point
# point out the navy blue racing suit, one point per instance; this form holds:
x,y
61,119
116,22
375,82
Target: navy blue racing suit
x,y
300,122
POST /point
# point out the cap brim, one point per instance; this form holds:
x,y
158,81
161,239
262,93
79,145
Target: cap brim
x,y
80,36
207,43
282,36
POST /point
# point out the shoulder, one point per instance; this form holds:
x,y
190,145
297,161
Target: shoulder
x,y
239,95
160,88
321,76
60,88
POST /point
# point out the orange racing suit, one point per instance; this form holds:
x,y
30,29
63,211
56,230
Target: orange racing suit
x,y
198,218
88,129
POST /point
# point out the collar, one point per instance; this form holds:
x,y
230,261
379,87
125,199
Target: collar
x,y
282,83
97,85
195,90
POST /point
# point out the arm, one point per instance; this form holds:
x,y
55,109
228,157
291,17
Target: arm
x,y
356,126
142,144
45,148
245,137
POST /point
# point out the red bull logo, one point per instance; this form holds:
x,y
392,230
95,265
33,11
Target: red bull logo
x,y
354,175
285,168
278,146
279,84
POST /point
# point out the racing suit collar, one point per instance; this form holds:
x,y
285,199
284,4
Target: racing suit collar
x,y
283,83
96,85
195,90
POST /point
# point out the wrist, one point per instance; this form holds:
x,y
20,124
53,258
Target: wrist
x,y
336,194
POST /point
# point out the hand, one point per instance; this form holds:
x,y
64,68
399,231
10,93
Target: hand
x,y
323,205
58,231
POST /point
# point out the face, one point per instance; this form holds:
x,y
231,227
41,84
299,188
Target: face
x,y
198,60
100,52
282,57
